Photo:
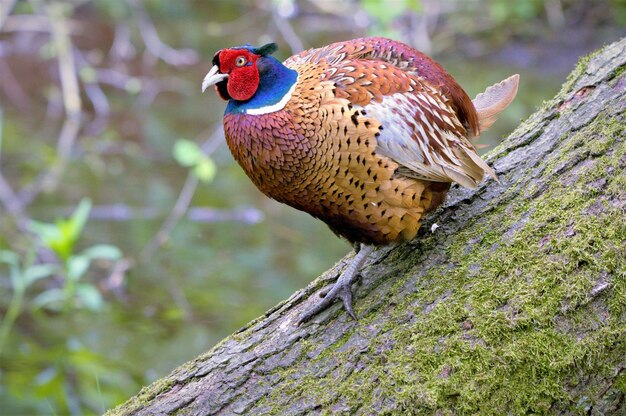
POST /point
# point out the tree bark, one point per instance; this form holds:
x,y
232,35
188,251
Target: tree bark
x,y
515,304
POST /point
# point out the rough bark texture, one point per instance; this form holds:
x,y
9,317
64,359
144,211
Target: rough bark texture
x,y
516,304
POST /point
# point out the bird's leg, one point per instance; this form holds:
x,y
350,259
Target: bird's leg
x,y
342,288
356,247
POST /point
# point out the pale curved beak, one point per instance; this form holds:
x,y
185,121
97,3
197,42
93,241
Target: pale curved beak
x,y
213,77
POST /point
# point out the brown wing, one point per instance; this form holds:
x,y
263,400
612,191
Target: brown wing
x,y
424,113
423,135
369,68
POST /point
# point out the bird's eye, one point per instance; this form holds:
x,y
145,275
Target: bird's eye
x,y
241,61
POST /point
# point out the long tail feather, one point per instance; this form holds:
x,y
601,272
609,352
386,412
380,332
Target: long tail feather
x,y
495,99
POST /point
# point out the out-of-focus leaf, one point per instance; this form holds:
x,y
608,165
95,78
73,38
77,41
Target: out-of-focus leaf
x,y
47,233
61,236
414,5
89,297
206,169
77,266
48,298
9,257
133,85
102,251
13,260
39,271
48,50
88,75
382,11
79,218
46,376
187,153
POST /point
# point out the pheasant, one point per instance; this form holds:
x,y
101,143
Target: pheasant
x,y
366,135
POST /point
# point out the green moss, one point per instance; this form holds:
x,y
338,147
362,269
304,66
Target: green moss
x,y
487,339
579,71
143,397
619,71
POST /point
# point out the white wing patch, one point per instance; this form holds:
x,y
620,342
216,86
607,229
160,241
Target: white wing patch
x,y
424,149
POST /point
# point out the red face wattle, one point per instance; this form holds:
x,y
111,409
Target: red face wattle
x,y
243,75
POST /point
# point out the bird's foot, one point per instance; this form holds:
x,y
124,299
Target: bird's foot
x,y
342,289
339,290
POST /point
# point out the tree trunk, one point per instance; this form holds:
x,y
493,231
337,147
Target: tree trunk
x,y
515,304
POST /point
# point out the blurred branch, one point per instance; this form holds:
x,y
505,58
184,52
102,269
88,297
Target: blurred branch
x,y
122,47
27,23
6,6
247,215
67,68
149,87
155,46
70,61
339,24
180,207
251,19
101,106
184,199
56,24
178,211
115,281
12,204
96,96
554,13
49,179
421,25
9,200
287,32
12,87
123,213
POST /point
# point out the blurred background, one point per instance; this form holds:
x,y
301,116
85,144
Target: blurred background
x,y
130,241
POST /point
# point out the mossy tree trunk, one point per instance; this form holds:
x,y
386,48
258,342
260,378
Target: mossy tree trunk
x,y
516,304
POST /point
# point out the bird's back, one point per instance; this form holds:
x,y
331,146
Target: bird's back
x,y
370,68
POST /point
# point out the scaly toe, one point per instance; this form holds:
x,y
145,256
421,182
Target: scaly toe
x,y
338,291
342,288
346,298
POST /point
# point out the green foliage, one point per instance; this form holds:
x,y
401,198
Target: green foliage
x,y
22,274
383,15
67,291
189,154
504,11
619,11
61,236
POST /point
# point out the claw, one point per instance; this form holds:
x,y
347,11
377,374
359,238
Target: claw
x,y
342,289
346,298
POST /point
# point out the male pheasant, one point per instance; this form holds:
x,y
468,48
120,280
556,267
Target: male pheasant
x,y
366,135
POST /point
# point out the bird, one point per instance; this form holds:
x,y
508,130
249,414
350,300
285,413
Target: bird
x,y
366,135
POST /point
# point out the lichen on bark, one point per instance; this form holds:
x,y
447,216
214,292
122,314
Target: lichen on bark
x,y
515,305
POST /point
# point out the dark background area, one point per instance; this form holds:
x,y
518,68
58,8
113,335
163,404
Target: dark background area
x,y
172,248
